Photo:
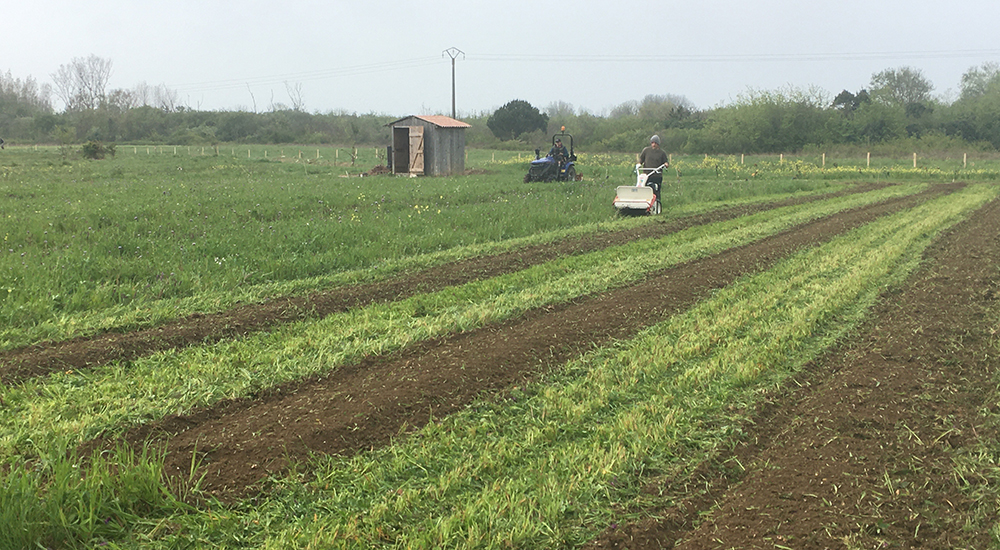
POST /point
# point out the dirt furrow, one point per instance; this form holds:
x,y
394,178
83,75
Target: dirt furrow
x,y
364,405
860,454
40,359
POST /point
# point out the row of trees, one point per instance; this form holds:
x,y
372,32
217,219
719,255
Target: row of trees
x,y
154,114
897,106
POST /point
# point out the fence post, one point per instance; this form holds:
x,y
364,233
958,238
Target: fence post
x,y
914,160
869,159
824,160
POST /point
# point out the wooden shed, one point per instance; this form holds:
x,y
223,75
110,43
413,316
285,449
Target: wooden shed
x,y
428,145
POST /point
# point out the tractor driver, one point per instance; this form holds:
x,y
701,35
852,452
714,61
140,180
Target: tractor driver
x,y
653,157
559,151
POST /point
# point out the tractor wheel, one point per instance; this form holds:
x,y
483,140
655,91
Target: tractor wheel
x,y
571,174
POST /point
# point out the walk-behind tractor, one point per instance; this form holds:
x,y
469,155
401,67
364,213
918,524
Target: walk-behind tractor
x,y
643,197
557,165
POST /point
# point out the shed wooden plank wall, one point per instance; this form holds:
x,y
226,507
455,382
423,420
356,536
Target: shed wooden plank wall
x,y
443,148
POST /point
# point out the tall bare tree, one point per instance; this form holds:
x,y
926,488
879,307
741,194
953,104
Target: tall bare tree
x,y
295,95
166,98
83,83
143,93
65,84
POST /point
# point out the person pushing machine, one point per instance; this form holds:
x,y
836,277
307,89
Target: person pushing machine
x,y
653,161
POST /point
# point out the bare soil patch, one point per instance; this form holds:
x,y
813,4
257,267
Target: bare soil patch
x,y
360,406
861,455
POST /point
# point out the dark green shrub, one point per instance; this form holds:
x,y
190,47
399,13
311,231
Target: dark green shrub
x,y
97,150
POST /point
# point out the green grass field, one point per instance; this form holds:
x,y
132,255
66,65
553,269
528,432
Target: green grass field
x,y
141,237
154,234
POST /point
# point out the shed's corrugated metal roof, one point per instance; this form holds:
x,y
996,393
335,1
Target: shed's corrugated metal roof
x,y
440,121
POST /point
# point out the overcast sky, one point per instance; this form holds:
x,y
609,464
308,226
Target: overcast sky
x,y
389,57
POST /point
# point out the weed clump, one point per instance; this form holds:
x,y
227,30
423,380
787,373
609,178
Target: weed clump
x,y
97,150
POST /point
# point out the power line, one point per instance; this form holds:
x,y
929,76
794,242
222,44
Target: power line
x,y
729,58
340,72
396,65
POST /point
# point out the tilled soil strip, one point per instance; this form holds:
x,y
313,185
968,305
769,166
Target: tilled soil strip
x,y
860,454
364,405
41,359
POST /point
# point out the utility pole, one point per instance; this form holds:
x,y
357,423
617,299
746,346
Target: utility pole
x,y
453,53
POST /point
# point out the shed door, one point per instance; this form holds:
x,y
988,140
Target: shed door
x,y
417,150
400,149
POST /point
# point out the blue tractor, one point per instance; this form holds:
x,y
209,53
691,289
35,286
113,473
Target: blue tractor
x,y
558,165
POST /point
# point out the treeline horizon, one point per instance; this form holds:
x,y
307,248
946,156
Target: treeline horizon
x,y
896,111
